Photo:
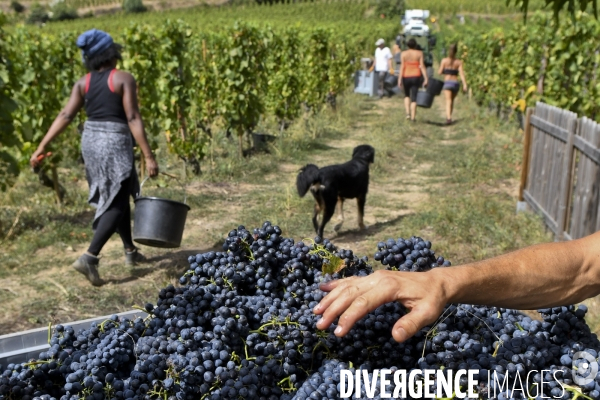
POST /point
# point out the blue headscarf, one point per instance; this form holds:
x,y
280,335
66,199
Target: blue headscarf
x,y
94,42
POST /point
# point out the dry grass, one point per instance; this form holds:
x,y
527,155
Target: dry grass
x,y
452,185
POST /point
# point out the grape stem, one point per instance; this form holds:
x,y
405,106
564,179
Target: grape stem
x,y
106,321
246,351
289,382
275,322
327,351
335,263
140,308
576,392
249,250
519,326
216,385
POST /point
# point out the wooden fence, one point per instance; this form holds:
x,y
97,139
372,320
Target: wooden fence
x,y
561,170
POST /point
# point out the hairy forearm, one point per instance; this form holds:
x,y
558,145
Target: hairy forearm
x,y
539,276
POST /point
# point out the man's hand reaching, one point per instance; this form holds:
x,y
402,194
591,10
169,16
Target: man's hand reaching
x,y
540,276
353,298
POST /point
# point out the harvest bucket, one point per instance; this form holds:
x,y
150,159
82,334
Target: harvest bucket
x,y
391,80
435,86
159,222
424,99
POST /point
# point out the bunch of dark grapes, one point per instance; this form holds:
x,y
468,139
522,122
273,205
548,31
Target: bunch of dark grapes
x,y
241,326
82,364
412,254
325,381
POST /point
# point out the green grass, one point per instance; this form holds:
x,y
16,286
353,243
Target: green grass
x,y
453,186
470,214
469,6
321,13
211,18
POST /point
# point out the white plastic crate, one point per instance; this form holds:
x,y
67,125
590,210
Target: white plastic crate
x,y
20,347
366,83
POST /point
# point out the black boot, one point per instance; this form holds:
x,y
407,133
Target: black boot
x,y
133,257
87,265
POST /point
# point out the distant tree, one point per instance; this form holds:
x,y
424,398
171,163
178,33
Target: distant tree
x,y
134,6
37,15
390,8
62,12
17,7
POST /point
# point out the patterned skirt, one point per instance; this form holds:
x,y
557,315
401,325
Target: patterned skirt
x,y
107,149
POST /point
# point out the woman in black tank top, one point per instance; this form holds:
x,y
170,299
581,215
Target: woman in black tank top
x,y
101,101
451,67
113,118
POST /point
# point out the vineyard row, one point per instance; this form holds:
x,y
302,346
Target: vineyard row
x,y
543,60
188,82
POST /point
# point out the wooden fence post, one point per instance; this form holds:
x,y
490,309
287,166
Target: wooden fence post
x,y
59,198
566,182
526,151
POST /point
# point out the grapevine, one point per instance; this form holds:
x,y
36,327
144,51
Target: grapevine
x,y
9,144
515,69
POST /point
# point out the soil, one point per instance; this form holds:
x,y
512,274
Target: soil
x,y
53,291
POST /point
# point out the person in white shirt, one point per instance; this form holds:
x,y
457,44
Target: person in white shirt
x,y
383,63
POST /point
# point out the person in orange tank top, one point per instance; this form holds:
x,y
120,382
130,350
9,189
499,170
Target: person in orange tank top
x,y
413,74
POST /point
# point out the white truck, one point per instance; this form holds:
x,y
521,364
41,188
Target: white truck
x,y
414,23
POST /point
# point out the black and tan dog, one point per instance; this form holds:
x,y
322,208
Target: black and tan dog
x,y
333,184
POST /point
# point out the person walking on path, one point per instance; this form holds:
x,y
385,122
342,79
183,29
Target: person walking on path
x,y
110,101
413,75
451,68
383,64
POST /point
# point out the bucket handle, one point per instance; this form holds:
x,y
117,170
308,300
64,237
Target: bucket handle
x,y
170,176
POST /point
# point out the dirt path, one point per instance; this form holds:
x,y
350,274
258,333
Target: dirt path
x,y
390,198
45,288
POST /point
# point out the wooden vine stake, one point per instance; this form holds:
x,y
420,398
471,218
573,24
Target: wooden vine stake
x,y
526,151
241,141
57,192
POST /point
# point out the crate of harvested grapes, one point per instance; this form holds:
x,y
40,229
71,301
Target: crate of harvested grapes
x,y
20,347
240,325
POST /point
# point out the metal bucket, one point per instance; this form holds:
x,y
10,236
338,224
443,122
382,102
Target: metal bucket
x,y
159,222
424,99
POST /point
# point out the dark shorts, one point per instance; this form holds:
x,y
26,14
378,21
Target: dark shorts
x,y
411,87
452,86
